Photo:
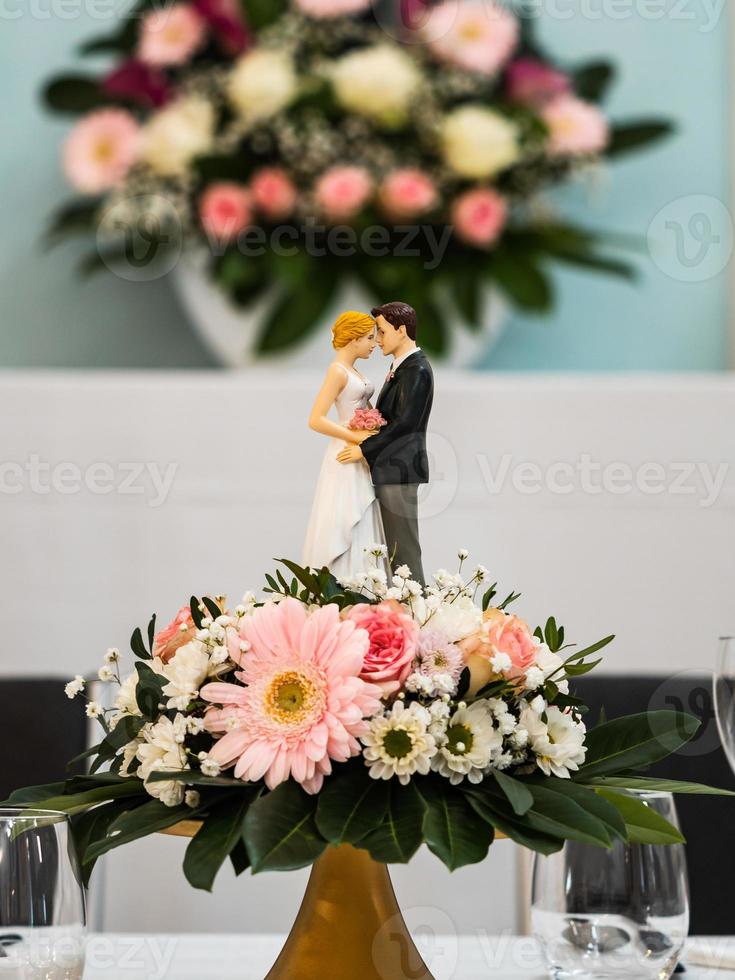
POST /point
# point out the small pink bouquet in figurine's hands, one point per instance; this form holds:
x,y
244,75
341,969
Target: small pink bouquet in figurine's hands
x,y
367,420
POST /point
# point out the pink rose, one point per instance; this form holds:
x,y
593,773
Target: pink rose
x,y
224,210
476,36
179,631
393,643
170,36
408,192
504,634
576,128
274,194
101,149
533,83
343,191
479,216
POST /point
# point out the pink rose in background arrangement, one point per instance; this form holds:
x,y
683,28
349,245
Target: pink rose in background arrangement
x,y
139,83
407,193
274,194
100,150
343,191
477,36
393,643
331,8
576,128
304,705
225,209
179,631
367,419
534,83
479,216
170,36
223,19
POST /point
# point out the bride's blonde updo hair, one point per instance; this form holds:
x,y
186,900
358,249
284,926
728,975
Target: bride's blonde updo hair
x,y
351,326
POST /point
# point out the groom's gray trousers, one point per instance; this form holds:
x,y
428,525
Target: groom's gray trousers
x,y
399,509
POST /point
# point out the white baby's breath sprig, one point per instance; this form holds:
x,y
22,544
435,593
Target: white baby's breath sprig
x,y
75,687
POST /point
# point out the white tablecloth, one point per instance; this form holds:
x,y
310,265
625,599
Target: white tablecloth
x,y
212,957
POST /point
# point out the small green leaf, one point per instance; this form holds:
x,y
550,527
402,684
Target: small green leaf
x,y
298,312
74,94
625,137
518,795
280,830
149,691
209,848
138,646
591,81
522,281
453,831
498,813
400,835
149,818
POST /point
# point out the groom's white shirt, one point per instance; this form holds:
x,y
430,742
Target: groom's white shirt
x,y
397,363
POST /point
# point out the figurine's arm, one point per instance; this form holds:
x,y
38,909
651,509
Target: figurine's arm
x,y
319,420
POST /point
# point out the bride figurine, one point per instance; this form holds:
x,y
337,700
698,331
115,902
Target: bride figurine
x,y
345,517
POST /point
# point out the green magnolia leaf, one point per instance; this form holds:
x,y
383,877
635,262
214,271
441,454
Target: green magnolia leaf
x,y
298,311
466,293
590,801
79,802
74,94
149,818
644,825
635,741
351,804
213,842
34,794
522,281
138,646
119,42
456,833
517,793
91,826
149,691
193,777
631,136
591,81
239,858
262,13
598,263
558,815
280,830
75,218
653,785
499,814
400,835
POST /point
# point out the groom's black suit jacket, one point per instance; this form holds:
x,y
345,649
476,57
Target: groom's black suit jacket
x,y
397,454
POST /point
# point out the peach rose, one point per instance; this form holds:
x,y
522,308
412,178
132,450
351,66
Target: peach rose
x,y
273,192
504,636
393,643
179,631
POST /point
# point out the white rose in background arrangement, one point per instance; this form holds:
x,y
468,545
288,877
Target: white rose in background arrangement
x,y
262,83
479,142
456,619
378,82
177,134
557,743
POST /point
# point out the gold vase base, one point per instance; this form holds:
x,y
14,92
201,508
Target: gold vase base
x,y
349,926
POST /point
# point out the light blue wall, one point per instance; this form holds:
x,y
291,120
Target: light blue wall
x,y
671,66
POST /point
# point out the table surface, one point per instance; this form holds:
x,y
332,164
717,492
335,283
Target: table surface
x,y
249,957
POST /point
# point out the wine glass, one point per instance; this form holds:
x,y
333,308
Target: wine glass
x,y
42,903
724,696
615,913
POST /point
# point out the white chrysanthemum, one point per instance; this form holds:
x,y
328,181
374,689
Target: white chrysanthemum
x,y
399,743
262,83
479,142
161,748
470,743
378,82
456,619
74,687
185,673
177,134
557,743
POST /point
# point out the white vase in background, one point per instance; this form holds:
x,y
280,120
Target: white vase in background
x,y
231,334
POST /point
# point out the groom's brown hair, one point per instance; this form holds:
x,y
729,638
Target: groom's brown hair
x,y
398,315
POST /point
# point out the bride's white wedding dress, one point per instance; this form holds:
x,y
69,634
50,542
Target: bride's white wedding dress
x,y
345,517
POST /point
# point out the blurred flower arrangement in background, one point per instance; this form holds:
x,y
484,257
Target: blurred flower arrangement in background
x,y
282,122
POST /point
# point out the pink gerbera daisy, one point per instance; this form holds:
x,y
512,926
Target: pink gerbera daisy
x,y
304,704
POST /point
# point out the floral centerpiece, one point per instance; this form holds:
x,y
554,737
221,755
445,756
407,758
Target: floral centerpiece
x,y
373,713
306,143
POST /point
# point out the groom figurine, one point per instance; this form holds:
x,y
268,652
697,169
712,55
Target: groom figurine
x,y
397,454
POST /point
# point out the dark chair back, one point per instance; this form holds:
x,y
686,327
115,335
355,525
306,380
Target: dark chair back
x,y
40,730
707,821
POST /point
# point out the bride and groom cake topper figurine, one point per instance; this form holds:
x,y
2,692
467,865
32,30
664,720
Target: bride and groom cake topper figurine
x,y
367,490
